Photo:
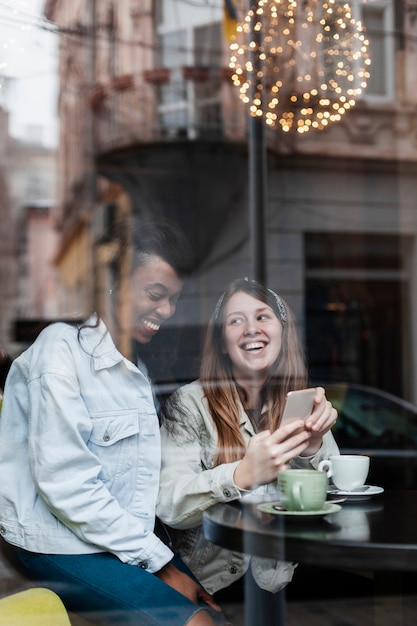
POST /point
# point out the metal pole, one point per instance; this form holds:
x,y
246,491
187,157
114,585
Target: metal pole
x,y
257,197
257,175
260,607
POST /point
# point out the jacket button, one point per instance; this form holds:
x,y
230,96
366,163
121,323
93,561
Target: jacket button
x,y
2,530
233,569
143,565
226,493
106,438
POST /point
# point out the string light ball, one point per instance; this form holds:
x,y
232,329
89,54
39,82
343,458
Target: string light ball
x,y
300,65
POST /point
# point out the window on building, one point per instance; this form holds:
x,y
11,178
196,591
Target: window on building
x,y
190,101
208,54
35,188
378,19
356,287
173,107
158,9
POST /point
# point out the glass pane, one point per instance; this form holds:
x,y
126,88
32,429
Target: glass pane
x,y
373,18
205,196
354,309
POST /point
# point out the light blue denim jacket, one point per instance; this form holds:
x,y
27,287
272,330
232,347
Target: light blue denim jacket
x,y
80,450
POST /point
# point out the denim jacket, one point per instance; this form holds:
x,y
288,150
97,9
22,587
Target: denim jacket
x,y
80,450
191,483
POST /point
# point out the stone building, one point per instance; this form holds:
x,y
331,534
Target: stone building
x,y
27,235
152,124
7,263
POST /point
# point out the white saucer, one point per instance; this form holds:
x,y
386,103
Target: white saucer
x,y
334,498
362,493
277,508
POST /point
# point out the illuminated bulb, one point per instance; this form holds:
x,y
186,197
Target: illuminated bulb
x,y
307,52
293,54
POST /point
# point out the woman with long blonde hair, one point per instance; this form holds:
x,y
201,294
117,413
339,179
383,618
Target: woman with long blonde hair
x,y
221,437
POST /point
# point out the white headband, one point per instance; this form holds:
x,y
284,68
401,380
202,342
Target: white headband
x,y
280,305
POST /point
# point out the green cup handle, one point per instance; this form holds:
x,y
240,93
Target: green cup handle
x,y
296,494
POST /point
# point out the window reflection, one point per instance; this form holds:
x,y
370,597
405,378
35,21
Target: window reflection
x,y
355,286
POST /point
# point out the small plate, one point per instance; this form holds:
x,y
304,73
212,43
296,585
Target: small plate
x,y
363,493
277,508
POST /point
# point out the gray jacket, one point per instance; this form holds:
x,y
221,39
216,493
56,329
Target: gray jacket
x,y
190,483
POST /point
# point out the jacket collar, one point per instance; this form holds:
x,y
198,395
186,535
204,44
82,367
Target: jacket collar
x,y
245,421
97,341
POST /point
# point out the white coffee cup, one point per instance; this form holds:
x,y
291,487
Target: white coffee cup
x,y
348,471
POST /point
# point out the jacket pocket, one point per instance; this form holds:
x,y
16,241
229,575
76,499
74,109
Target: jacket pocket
x,y
113,440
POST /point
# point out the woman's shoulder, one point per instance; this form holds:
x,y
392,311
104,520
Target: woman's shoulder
x,y
186,400
45,353
54,349
195,387
190,393
187,413
49,337
56,330
72,332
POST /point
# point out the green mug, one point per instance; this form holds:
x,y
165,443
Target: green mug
x,y
303,490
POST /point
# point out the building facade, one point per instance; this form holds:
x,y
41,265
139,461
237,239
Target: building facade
x,y
27,241
151,123
7,264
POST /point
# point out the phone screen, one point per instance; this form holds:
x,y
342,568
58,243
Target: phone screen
x,y
298,405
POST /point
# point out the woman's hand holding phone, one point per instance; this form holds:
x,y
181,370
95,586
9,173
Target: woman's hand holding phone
x,y
321,420
269,453
317,412
307,416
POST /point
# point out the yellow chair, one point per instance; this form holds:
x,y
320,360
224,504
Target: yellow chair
x,y
33,607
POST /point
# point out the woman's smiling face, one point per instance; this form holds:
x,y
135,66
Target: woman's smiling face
x,y
155,288
252,336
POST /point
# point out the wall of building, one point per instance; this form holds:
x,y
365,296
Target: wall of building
x,y
354,180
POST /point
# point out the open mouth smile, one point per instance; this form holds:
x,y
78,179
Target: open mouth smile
x,y
152,326
254,346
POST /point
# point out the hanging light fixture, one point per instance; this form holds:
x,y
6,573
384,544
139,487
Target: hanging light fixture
x,y
300,65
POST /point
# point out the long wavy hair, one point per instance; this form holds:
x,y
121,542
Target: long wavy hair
x,y
221,391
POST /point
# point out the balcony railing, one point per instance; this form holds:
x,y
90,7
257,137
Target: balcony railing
x,y
165,109
197,105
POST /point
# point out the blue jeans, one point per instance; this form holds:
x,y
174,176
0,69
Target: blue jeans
x,y
107,591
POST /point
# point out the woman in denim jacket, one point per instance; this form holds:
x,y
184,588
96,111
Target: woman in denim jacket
x,y
80,459
221,439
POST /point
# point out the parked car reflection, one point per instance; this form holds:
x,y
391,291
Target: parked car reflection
x,y
380,425
371,422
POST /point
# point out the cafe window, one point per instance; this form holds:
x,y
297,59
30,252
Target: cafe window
x,y
378,19
206,94
190,99
173,56
356,295
158,9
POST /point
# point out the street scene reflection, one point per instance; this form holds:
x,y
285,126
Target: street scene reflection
x,y
154,155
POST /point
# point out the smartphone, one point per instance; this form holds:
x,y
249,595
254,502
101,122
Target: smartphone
x,y
298,405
